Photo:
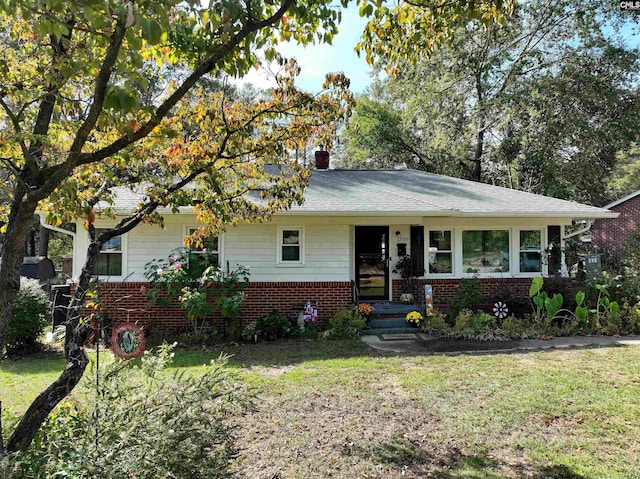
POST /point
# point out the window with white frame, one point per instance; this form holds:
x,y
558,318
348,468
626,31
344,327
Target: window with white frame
x,y
485,251
207,253
530,251
110,257
440,252
290,245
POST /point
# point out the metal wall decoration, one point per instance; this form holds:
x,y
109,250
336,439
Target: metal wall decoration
x,y
128,340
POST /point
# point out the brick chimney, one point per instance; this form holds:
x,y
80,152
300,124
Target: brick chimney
x,y
322,160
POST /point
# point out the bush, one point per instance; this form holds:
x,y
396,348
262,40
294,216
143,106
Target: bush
x,y
436,325
201,288
150,424
467,297
468,320
623,288
29,318
345,324
271,327
625,321
517,301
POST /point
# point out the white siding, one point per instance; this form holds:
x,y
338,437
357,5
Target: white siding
x,y
327,249
327,252
329,243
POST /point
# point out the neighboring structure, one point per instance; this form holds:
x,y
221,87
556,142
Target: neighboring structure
x,y
610,235
347,237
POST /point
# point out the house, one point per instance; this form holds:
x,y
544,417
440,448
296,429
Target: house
x,y
610,234
345,240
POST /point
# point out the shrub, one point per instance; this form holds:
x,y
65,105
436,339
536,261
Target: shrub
x,y
28,319
517,301
622,288
201,288
436,325
345,324
150,424
626,321
274,325
467,297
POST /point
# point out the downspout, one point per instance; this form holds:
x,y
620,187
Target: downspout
x,y
563,269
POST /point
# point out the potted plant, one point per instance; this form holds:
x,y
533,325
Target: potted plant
x,y
414,318
364,310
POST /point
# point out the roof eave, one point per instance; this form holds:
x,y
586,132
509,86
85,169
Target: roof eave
x,y
622,200
457,214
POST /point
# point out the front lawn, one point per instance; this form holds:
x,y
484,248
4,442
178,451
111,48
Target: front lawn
x,y
336,409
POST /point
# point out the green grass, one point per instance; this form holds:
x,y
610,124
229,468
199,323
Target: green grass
x,y
336,409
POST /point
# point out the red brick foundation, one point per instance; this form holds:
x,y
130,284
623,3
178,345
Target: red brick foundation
x,y
444,290
128,302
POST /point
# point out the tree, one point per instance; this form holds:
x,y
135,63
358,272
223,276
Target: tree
x,y
458,111
70,105
68,72
227,158
72,111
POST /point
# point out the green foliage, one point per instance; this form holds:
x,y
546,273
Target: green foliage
x,y
29,318
536,286
404,267
631,253
273,326
345,324
467,297
552,86
201,288
467,319
436,325
150,424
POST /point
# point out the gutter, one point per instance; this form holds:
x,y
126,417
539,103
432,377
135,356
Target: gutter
x,y
44,224
581,230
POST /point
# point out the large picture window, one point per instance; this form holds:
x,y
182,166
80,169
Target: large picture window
x,y
530,251
485,251
290,246
110,257
440,252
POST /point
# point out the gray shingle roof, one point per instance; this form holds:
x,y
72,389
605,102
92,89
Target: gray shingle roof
x,y
411,193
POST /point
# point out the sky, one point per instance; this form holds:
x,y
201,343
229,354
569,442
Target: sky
x,y
317,60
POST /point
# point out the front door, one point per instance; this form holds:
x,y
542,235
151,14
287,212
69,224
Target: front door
x,y
372,261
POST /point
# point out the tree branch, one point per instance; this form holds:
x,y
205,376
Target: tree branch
x,y
101,84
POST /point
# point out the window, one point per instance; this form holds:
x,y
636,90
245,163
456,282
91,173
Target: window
x,y
110,257
290,246
440,252
530,251
205,255
485,251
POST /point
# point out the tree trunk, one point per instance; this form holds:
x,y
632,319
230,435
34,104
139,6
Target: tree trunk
x,y
77,333
476,174
43,244
18,228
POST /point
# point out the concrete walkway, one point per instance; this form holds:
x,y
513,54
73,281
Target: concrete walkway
x,y
424,344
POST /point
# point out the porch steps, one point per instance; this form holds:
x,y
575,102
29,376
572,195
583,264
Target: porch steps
x,y
392,309
389,318
389,326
